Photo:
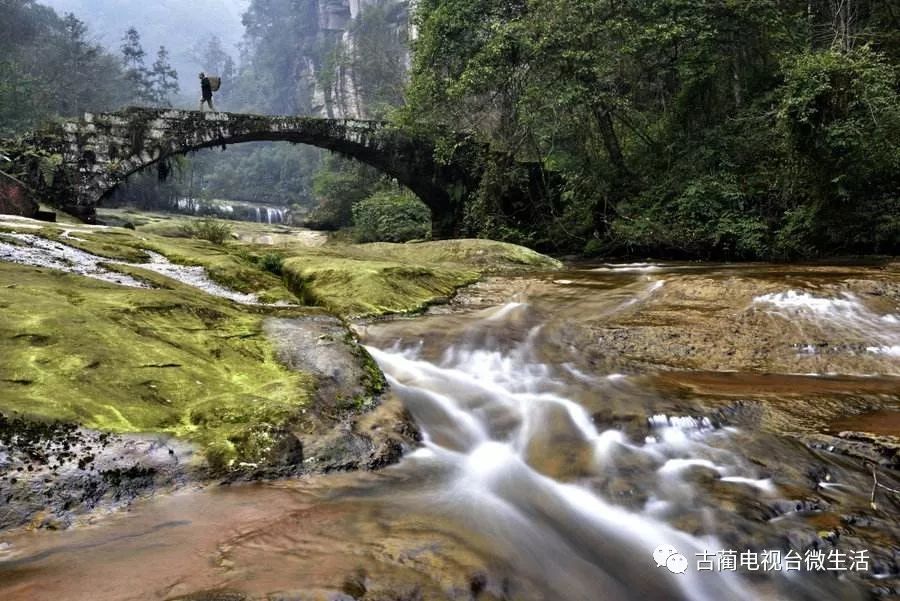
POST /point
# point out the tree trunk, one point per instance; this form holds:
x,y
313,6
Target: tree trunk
x,y
611,141
620,183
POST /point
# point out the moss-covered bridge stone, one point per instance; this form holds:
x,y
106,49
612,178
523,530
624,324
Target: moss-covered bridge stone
x,y
100,150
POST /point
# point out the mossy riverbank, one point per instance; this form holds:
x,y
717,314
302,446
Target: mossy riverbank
x,y
121,359
173,360
349,280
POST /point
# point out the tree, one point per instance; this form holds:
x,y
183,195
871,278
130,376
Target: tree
x,y
164,78
211,55
24,95
136,74
49,67
339,185
229,77
284,41
77,59
659,117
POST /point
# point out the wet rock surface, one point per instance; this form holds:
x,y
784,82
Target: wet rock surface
x,y
52,474
193,364
349,426
800,360
767,322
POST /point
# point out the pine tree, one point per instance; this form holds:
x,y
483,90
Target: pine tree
x,y
213,56
136,74
164,79
78,58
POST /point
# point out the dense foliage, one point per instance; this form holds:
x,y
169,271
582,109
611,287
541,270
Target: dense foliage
x,y
339,185
184,27
391,216
295,63
751,128
724,128
257,172
49,67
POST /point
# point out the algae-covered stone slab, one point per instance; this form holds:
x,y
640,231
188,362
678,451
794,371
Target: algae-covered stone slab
x,y
374,279
134,360
351,280
485,256
172,359
355,287
227,265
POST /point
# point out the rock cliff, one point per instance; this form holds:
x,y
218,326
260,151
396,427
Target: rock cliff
x,y
364,58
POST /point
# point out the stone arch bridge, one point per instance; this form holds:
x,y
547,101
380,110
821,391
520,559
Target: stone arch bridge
x,y
100,150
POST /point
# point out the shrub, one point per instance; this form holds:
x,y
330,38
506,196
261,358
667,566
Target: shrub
x,y
338,185
391,217
840,110
708,218
210,230
273,263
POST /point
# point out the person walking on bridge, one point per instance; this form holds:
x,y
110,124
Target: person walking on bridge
x,y
206,89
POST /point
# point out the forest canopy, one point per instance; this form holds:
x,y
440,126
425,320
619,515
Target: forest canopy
x,y
50,67
746,129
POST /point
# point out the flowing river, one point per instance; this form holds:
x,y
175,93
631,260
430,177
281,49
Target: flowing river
x,y
571,425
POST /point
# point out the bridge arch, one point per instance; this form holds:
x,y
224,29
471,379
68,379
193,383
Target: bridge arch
x,y
102,149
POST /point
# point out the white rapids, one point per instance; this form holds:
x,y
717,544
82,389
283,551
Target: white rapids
x,y
482,411
847,314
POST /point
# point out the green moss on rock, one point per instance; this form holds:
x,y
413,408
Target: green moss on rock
x,y
174,359
132,360
355,287
228,265
380,278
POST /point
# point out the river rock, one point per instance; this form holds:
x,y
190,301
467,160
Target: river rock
x,y
50,473
349,424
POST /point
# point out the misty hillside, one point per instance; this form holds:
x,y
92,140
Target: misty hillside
x,y
175,24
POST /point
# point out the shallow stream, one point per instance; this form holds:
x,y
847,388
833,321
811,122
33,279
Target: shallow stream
x,y
560,449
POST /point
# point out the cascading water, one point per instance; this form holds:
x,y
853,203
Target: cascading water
x,y
243,211
530,484
525,466
193,206
269,215
187,205
479,430
274,215
875,333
